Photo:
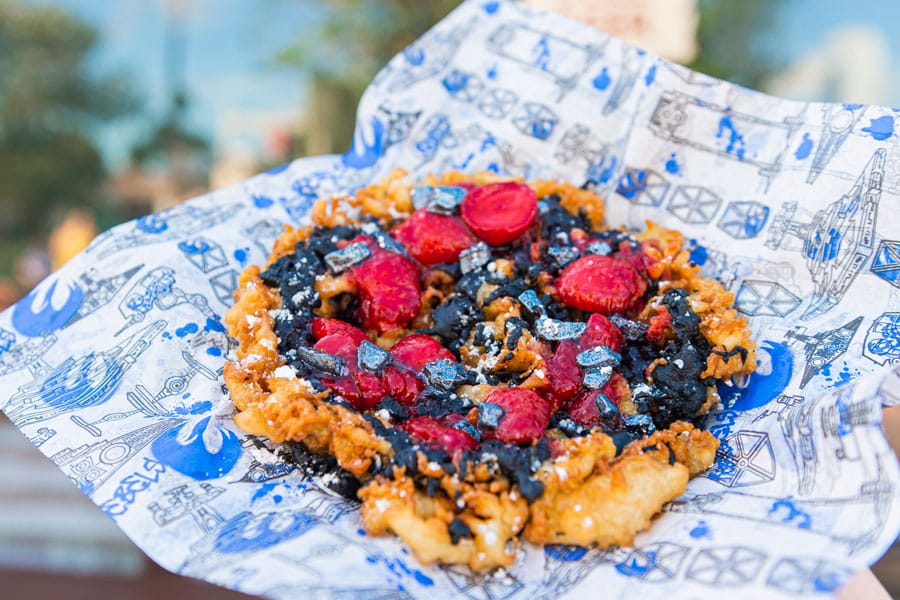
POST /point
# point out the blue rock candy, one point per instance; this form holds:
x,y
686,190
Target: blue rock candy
x,y
551,330
599,356
606,406
601,248
341,260
371,358
489,415
321,361
596,378
445,374
474,257
424,196
532,304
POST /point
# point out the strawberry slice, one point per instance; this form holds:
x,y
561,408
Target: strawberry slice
x,y
601,332
526,415
600,284
322,327
436,435
499,213
389,291
417,350
433,239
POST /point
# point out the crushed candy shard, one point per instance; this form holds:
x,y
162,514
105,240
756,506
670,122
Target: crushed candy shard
x,y
599,247
599,356
489,415
606,406
552,330
341,260
438,198
563,255
371,358
532,304
596,378
632,330
326,363
445,374
474,257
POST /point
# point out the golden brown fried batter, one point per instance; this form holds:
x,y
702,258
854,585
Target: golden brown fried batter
x,y
476,516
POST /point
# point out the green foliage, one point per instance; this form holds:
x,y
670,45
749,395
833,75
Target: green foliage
x,y
49,101
347,45
732,37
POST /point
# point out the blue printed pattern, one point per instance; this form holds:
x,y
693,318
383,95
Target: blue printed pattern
x,y
113,366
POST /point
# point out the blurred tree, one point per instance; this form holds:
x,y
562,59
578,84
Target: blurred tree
x,y
49,100
732,38
170,146
346,48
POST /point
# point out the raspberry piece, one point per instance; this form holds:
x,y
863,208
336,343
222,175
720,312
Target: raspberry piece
x,y
402,384
417,350
601,332
435,435
564,375
432,239
361,389
600,284
321,327
584,409
526,416
498,213
388,286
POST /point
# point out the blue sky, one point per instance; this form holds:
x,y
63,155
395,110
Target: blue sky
x,y
230,45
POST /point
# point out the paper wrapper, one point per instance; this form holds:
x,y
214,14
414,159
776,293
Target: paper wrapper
x,y
112,366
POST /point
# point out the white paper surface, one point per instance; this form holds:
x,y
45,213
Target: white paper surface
x,y
112,366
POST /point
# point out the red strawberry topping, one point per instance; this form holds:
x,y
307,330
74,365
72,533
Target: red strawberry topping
x,y
432,239
342,344
564,374
402,384
601,332
321,327
600,284
498,213
526,415
417,350
389,291
584,409
361,389
430,431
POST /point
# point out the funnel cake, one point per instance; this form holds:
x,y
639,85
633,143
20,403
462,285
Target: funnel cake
x,y
480,360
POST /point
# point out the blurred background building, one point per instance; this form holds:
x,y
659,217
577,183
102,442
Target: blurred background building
x,y
110,109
